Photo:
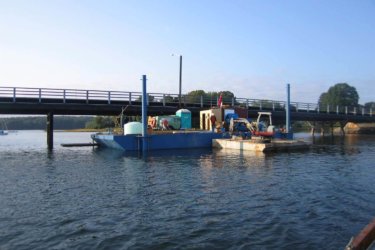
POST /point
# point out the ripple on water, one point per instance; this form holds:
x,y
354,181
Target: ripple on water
x,y
221,199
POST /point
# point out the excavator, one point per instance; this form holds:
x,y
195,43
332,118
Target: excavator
x,y
262,127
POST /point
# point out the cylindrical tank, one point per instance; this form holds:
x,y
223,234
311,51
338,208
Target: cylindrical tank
x,y
133,128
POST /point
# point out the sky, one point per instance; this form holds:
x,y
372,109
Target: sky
x,y
252,48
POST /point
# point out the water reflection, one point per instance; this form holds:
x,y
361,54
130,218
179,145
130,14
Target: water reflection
x,y
350,139
170,199
328,144
154,154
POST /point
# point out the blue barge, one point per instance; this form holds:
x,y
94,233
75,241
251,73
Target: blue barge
x,y
139,140
175,140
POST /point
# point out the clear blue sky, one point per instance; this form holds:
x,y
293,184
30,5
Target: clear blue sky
x,y
252,48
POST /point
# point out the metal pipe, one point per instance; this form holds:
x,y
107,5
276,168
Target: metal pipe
x,y
144,114
287,110
180,82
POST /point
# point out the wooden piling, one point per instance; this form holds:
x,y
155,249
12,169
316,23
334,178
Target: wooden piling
x,y
50,130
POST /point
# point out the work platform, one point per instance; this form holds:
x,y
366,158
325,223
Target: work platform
x,y
261,146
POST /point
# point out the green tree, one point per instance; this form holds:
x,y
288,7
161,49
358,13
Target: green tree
x,y
227,95
150,98
100,122
267,104
341,94
209,97
170,99
195,96
39,122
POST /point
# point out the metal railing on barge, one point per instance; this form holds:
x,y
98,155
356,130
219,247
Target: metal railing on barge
x,y
52,95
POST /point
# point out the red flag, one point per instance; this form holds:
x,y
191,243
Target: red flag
x,y
220,101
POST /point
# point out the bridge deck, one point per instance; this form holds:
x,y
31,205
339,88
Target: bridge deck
x,y
37,101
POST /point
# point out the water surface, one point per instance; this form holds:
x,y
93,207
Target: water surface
x,y
85,198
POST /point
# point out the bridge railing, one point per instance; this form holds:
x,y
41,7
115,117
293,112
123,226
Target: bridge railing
x,y
51,95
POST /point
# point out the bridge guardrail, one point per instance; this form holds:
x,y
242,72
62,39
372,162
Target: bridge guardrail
x,y
12,94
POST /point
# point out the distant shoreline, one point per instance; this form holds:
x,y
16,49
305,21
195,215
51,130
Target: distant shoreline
x,y
92,130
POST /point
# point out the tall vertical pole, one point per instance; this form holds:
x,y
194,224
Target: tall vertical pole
x,y
50,130
144,115
179,93
288,129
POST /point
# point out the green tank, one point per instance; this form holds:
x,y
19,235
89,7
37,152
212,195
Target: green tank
x,y
174,121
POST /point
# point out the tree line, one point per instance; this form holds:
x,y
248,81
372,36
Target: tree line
x,y
39,122
342,94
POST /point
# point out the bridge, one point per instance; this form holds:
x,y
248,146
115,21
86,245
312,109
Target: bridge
x,y
51,101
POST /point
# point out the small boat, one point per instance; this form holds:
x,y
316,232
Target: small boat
x,y
365,239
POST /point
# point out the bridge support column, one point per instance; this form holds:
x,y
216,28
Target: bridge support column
x,y
312,132
50,130
312,127
342,125
322,129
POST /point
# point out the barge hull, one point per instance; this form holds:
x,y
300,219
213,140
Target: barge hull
x,y
179,140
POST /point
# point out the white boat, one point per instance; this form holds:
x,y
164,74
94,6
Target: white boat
x,y
3,132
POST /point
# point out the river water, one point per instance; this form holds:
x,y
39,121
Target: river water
x,y
85,198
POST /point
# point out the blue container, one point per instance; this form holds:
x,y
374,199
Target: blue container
x,y
185,116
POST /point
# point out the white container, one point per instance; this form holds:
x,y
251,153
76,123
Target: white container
x,y
271,128
133,128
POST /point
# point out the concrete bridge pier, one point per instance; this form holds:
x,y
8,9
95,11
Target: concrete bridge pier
x,y
50,130
316,126
342,125
312,126
328,126
322,131
331,126
312,132
325,126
